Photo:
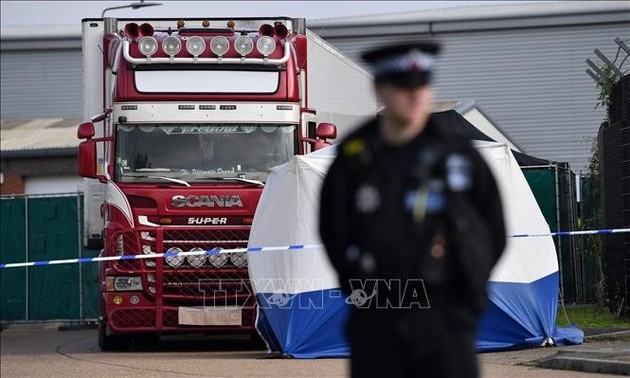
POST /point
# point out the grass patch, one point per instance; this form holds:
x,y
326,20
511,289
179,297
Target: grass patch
x,y
591,317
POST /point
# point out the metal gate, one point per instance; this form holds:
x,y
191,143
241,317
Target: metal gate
x,y
553,187
45,228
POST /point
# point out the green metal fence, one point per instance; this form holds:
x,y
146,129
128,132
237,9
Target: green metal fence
x,y
590,248
554,188
50,227
45,228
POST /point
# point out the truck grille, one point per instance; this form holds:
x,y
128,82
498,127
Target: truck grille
x,y
184,280
147,241
218,287
224,238
187,240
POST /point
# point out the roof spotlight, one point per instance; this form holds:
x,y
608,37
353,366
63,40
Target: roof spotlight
x,y
219,45
171,45
147,46
243,45
195,46
266,45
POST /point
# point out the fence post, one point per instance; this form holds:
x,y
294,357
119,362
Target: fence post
x,y
26,248
581,245
577,278
80,251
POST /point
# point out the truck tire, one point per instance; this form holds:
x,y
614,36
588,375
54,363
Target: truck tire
x,y
111,343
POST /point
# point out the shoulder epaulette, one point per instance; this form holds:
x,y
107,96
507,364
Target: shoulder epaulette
x,y
353,147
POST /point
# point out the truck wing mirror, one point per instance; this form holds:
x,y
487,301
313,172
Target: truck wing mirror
x,y
86,130
326,131
86,159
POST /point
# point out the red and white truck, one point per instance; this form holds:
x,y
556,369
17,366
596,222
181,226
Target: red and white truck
x,y
187,118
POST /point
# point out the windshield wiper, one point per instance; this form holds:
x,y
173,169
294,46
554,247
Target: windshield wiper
x,y
177,181
156,170
241,179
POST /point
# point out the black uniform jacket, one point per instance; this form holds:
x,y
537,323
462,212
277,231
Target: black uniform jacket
x,y
428,210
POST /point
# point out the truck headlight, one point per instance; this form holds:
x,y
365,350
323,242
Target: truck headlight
x,y
120,245
174,261
131,283
145,235
196,260
239,259
218,259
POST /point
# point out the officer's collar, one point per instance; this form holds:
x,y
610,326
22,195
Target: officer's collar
x,y
436,126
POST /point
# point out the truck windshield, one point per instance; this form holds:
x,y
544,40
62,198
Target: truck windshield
x,y
198,153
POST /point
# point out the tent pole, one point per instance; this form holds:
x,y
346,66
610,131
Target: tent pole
x,y
561,270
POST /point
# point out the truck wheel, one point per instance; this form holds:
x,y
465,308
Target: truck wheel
x,y
111,343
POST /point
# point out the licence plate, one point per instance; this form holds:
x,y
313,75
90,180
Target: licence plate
x,y
210,316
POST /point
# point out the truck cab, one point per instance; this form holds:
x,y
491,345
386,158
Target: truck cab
x,y
187,119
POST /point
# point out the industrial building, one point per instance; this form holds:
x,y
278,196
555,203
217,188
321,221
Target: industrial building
x,y
523,64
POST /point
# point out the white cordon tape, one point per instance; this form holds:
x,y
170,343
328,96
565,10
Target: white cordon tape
x,y
214,251
217,251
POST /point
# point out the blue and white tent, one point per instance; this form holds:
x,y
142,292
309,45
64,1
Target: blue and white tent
x,y
523,288
302,311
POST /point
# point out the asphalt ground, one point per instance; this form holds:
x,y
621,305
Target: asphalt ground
x,y
46,352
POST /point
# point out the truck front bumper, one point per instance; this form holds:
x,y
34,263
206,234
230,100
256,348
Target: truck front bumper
x,y
131,312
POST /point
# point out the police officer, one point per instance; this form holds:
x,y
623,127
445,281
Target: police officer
x,y
411,218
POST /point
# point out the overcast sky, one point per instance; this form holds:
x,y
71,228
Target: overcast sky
x,y
71,12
